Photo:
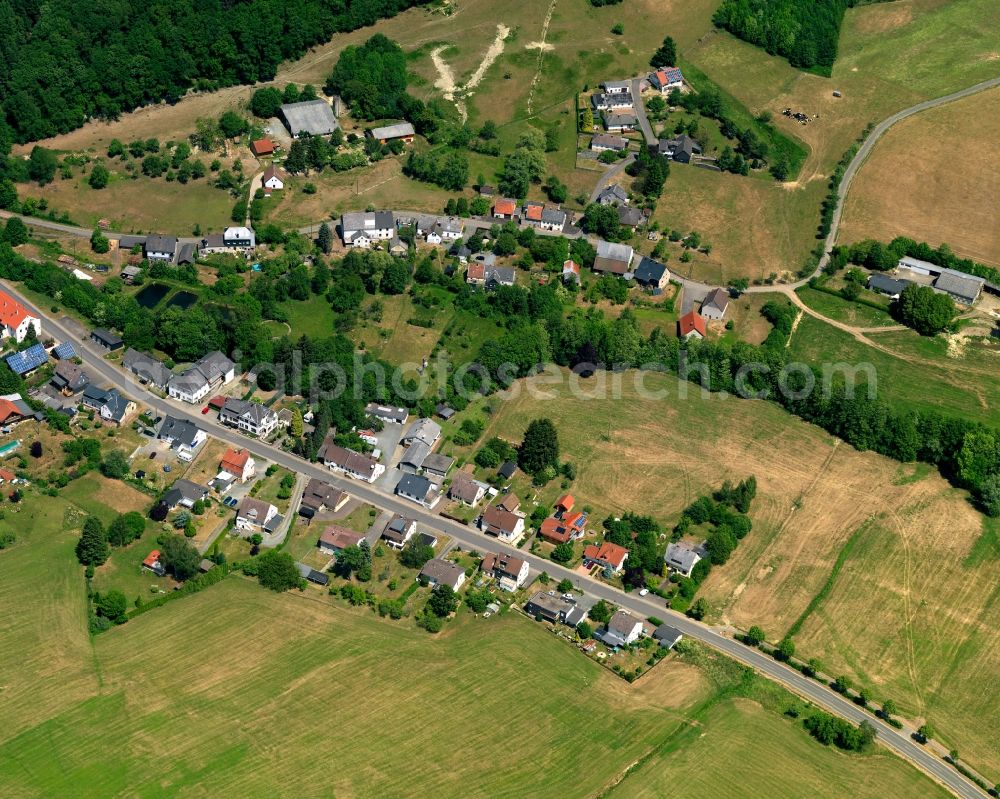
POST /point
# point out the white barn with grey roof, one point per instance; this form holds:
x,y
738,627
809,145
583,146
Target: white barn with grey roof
x,y
314,117
363,228
399,130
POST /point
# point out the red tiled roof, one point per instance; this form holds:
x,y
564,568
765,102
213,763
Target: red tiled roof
x,y
606,553
152,558
7,409
217,402
476,271
237,458
506,207
533,211
12,313
340,537
690,322
571,266
573,519
7,475
565,502
263,147
554,530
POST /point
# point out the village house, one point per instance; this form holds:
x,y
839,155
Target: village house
x,y
883,284
273,178
184,493
605,141
613,195
113,407
691,325
666,79
349,462
611,102
466,490
363,228
503,524
152,563
239,463
682,149
387,133
68,378
437,466
438,571
318,496
682,558
668,636
149,370
488,276
399,531
15,319
613,257
314,117
616,123
606,555
13,409
551,607
571,271
715,305
335,539
617,86
209,372
237,240
250,417
183,436
504,208
510,571
652,274
160,248
623,629
257,516
386,414
631,217
424,430
419,489
28,360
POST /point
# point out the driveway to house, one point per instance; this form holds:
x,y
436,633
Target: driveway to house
x,y
609,175
278,536
640,113
256,182
899,741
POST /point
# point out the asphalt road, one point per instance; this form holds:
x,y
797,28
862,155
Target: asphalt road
x,y
640,114
470,539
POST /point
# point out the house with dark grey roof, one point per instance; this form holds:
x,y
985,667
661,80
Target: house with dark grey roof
x,y
682,558
188,253
182,435
437,465
667,636
613,195
414,457
105,338
160,248
426,430
681,149
250,417
387,414
630,217
184,493
884,284
960,286
550,606
351,463
314,117
363,228
438,571
69,378
418,489
651,274
149,370
113,407
209,372
398,531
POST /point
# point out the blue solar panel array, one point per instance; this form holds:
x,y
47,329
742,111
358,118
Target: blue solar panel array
x,y
27,360
65,351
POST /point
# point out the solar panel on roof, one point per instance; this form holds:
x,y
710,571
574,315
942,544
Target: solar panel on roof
x,y
65,351
23,362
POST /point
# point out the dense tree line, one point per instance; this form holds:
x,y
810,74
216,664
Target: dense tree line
x,y
878,256
449,169
62,63
803,31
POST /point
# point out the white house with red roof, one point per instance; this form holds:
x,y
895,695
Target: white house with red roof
x,y
15,320
239,464
666,79
607,555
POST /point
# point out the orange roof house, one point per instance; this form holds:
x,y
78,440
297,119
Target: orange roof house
x,y
475,273
7,476
555,531
504,207
691,324
533,211
12,313
607,554
262,147
8,410
565,503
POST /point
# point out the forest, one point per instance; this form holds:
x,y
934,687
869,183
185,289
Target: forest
x,y
63,62
803,31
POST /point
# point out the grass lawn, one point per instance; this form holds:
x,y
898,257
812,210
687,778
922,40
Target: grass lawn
x,y
313,317
741,730
855,314
919,375
248,674
104,498
393,337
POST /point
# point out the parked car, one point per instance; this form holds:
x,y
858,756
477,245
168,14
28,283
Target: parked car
x,y
205,409
643,591
166,467
152,455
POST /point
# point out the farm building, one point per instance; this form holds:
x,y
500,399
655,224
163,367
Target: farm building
x,y
314,117
715,305
884,284
613,257
652,274
262,147
387,133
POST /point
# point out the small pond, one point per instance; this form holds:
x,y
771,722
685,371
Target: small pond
x,y
150,296
183,300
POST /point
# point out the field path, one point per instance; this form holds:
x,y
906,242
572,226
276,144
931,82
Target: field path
x,y
542,47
